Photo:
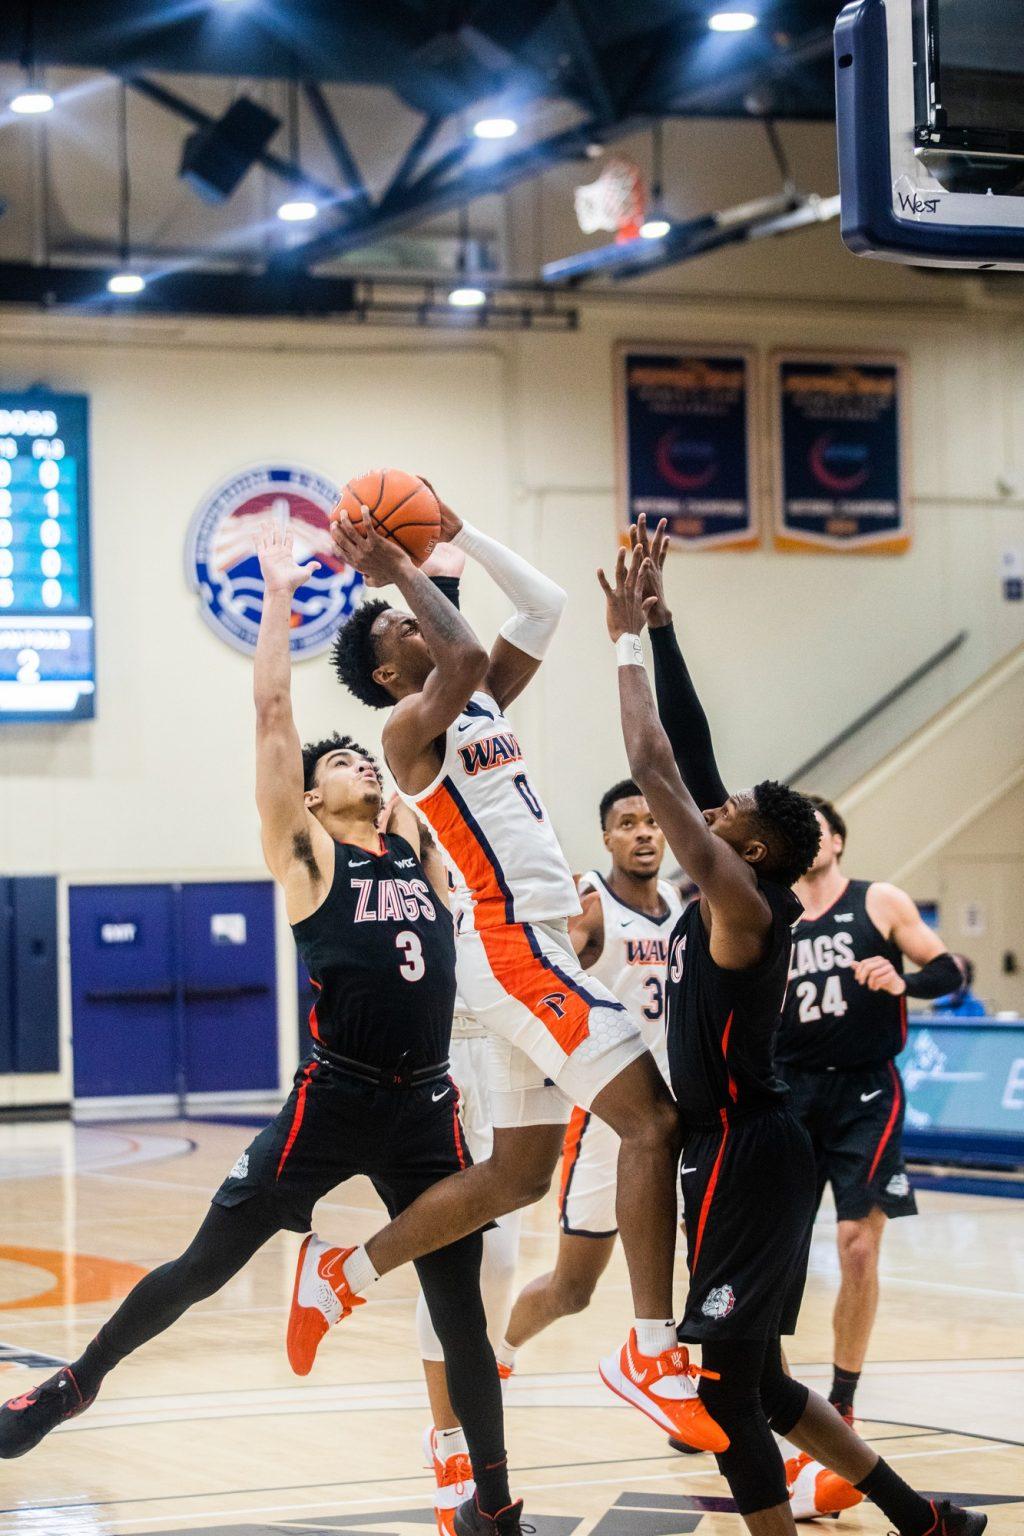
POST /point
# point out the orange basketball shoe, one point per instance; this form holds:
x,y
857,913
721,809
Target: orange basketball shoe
x,y
454,1478
320,1298
662,1386
815,1491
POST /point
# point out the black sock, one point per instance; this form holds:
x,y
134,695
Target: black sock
x,y
844,1385
492,1490
909,1512
90,1368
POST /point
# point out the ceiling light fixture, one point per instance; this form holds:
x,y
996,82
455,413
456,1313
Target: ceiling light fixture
x,y
732,21
495,127
126,283
297,211
31,103
467,298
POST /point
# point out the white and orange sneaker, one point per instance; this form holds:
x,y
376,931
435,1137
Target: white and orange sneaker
x,y
454,1478
815,1492
320,1298
662,1386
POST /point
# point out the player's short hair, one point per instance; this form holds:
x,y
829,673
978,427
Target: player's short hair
x,y
313,751
625,789
354,655
786,821
831,815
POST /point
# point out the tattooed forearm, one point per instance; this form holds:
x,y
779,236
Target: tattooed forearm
x,y
444,628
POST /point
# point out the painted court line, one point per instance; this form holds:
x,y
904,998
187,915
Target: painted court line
x,y
421,1497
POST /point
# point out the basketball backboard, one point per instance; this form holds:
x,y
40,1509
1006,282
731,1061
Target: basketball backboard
x,y
930,121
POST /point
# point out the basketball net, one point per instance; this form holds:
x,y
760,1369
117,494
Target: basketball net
x,y
615,201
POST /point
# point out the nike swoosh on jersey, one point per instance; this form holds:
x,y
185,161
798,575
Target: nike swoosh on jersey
x,y
689,1170
866,1098
437,1097
357,863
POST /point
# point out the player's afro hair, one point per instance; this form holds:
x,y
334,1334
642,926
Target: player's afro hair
x,y
354,655
790,828
625,789
313,751
831,815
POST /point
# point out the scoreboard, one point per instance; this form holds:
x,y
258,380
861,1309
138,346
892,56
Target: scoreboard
x,y
47,661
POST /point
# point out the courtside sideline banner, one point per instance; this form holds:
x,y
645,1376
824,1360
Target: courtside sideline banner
x,y
685,442
838,434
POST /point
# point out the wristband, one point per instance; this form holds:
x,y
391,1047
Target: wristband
x,y
629,651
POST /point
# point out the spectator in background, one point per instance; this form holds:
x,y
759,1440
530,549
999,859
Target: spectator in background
x,y
962,1004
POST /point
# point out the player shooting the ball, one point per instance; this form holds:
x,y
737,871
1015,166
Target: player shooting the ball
x,y
558,1036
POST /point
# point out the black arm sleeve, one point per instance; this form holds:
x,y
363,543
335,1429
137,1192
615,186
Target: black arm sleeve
x,y
936,979
686,724
448,586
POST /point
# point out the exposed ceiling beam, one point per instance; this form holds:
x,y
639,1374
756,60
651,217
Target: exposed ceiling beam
x,y
426,198
335,140
409,162
286,169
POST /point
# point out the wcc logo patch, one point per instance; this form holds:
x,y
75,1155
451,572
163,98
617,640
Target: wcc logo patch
x,y
222,568
719,1302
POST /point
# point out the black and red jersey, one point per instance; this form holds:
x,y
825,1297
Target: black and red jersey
x,y
380,951
722,1024
831,1023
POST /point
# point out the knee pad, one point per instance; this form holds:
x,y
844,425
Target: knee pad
x,y
782,1398
753,1465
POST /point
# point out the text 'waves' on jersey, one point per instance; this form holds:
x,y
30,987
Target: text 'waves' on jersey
x,y
380,950
514,871
633,960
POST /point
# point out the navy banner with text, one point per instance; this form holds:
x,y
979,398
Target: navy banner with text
x,y
685,435
838,453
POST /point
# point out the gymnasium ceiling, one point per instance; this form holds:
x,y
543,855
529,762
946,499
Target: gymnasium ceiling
x,y
376,101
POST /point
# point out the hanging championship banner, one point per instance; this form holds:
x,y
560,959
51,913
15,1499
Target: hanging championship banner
x,y
839,481
686,442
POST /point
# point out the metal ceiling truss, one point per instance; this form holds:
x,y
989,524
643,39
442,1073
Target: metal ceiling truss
x,y
620,76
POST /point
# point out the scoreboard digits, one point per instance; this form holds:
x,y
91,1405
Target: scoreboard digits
x,y
47,665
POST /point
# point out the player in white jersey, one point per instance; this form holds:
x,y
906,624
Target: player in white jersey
x,y
444,1445
621,937
558,1037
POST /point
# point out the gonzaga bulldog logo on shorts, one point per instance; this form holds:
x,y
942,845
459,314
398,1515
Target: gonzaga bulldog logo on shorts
x,y
221,564
719,1302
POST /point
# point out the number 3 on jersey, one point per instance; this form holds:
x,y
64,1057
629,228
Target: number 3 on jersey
x,y
832,1001
413,967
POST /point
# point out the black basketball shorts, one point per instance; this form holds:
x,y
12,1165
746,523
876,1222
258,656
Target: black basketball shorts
x,y
855,1122
404,1139
748,1193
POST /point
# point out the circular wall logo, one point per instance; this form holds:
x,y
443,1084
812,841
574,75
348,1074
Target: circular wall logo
x,y
221,564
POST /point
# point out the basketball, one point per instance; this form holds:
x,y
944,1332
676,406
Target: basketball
x,y
400,505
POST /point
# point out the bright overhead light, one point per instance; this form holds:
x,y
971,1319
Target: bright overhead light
x,y
467,298
495,127
31,103
297,212
732,21
126,282
655,229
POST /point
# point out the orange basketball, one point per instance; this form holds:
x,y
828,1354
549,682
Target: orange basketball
x,y
400,505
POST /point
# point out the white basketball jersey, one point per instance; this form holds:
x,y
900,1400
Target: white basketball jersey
x,y
491,827
634,959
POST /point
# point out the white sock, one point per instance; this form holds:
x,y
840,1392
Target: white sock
x,y
451,1442
654,1336
359,1271
505,1354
